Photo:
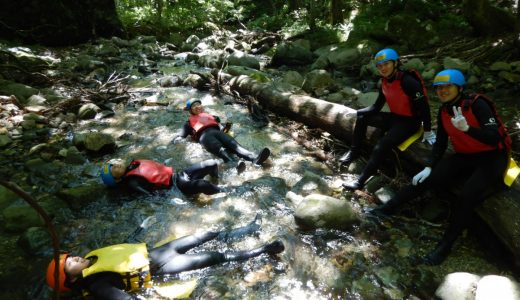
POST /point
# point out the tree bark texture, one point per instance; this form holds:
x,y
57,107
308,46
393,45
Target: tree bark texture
x,y
334,118
499,211
58,22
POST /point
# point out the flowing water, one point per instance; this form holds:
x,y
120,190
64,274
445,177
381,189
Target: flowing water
x,y
322,264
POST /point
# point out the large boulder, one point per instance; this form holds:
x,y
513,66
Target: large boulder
x,y
319,211
239,58
291,54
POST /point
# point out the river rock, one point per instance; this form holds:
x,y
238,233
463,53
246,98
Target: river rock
x,y
190,43
317,79
6,197
21,91
88,111
78,197
239,58
36,100
293,78
5,140
288,53
19,216
73,156
195,81
414,63
94,141
311,183
455,63
467,286
320,211
338,58
35,241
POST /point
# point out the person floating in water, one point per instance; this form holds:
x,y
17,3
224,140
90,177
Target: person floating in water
x,y
481,145
207,130
113,271
145,176
406,97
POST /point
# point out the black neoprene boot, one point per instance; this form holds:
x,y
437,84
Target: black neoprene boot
x,y
358,183
263,156
443,248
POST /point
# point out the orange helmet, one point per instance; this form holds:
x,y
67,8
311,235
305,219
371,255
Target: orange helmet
x,y
60,286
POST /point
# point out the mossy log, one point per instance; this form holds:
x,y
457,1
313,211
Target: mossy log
x,y
499,211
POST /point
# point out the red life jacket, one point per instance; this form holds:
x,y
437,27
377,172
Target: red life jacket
x,y
398,102
462,142
200,122
155,173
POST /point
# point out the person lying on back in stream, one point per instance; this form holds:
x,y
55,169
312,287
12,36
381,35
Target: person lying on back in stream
x,y
145,176
113,271
206,129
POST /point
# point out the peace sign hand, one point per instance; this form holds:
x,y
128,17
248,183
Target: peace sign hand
x,y
458,120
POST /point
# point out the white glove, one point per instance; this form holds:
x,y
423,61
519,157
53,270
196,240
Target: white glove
x,y
458,120
421,176
176,139
429,137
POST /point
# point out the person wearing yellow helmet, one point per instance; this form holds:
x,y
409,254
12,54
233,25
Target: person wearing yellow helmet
x,y
405,94
113,271
145,176
207,130
481,145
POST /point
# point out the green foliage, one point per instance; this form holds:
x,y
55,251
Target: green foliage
x,y
161,16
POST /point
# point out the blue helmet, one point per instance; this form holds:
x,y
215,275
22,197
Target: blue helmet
x,y
449,76
190,102
106,175
386,55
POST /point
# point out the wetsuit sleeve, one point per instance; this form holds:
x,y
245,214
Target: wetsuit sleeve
x,y
413,89
137,184
374,108
441,143
107,286
186,130
488,131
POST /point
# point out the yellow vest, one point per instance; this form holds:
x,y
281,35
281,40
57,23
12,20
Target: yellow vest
x,y
129,260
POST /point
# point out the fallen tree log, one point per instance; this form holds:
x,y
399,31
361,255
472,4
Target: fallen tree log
x,y
499,211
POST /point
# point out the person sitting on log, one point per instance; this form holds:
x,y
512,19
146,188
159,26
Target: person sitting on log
x,y
482,148
145,176
206,129
406,97
113,271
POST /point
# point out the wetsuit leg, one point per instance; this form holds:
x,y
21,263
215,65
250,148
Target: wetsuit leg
x,y
443,176
194,186
400,130
379,120
203,168
213,145
486,170
232,145
186,262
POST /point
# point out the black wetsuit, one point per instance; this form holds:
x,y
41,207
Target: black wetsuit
x,y
189,181
482,172
171,258
397,128
218,142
